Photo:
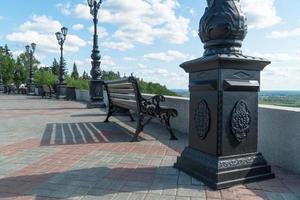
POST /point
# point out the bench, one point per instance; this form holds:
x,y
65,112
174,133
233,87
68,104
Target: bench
x,y
47,91
125,94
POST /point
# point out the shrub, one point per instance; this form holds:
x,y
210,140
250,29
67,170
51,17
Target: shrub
x,y
77,83
43,77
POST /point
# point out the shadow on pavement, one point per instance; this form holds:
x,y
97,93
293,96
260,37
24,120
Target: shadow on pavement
x,y
83,133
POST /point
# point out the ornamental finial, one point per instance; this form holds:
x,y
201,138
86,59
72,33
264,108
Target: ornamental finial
x,y
223,27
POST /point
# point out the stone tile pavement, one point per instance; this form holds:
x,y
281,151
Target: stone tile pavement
x,y
59,150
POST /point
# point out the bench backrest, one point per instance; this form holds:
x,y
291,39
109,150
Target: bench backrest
x,y
124,93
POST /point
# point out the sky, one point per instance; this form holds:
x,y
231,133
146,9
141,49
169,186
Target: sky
x,y
151,38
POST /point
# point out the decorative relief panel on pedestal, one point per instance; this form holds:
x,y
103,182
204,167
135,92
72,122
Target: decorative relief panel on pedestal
x,y
240,120
202,119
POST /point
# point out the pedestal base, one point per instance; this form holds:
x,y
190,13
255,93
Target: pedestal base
x,y
1,88
61,92
96,94
31,90
95,104
223,172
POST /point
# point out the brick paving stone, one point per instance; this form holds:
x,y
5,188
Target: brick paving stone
x,y
191,191
183,198
289,196
122,196
184,179
137,196
159,197
274,196
196,182
170,190
211,194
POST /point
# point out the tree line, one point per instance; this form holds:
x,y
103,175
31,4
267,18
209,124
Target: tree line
x,y
16,71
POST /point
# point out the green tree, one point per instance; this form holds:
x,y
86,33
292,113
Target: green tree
x,y
20,73
75,74
45,77
110,75
55,67
85,76
78,83
7,65
145,87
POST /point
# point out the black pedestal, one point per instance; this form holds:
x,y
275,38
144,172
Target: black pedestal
x,y
31,90
96,94
61,91
222,148
1,88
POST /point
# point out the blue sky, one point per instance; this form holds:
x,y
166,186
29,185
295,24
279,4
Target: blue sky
x,y
150,38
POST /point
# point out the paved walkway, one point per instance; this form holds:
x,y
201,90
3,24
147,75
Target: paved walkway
x,y
59,150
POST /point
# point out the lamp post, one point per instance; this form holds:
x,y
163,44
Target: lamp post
x,y
223,117
96,84
29,52
61,87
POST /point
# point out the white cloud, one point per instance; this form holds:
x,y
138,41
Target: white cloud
x,y
166,56
107,63
285,33
142,66
64,8
284,74
77,27
41,23
164,77
192,11
195,34
121,46
16,53
260,13
140,21
278,57
129,59
41,29
102,32
82,11
298,52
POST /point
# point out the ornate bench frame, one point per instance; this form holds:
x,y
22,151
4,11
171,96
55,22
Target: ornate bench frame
x,y
125,94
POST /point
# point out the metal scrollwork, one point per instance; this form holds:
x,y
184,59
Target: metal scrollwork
x,y
202,119
240,120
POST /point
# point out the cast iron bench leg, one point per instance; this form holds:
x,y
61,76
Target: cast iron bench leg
x,y
109,114
139,128
168,126
130,115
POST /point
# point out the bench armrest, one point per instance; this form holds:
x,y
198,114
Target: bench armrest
x,y
155,100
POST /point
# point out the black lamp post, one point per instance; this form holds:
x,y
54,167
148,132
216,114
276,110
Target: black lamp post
x,y
30,85
96,84
61,87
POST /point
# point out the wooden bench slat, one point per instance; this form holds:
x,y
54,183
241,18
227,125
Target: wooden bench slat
x,y
121,86
125,80
129,104
123,96
121,91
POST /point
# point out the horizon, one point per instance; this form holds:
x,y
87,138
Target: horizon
x,y
152,38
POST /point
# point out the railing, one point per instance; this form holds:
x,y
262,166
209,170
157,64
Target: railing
x,y
278,130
